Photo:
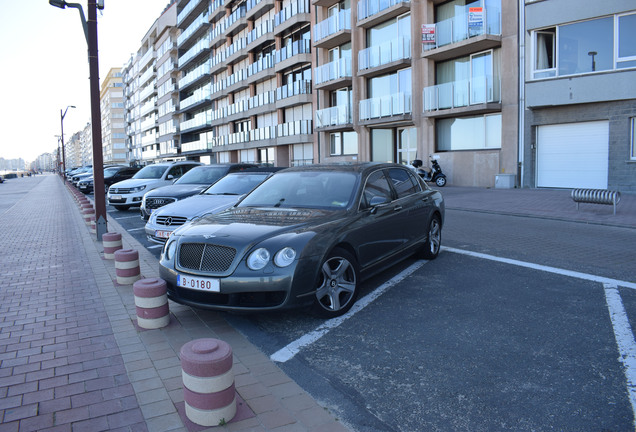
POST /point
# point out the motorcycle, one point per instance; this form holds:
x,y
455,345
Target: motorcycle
x,y
433,175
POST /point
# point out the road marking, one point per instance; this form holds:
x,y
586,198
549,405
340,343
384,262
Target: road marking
x,y
624,339
154,246
136,229
127,217
288,352
555,270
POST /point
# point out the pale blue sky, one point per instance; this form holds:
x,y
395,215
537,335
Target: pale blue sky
x,y
45,66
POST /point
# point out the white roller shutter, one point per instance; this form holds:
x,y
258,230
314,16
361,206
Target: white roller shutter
x,y
573,155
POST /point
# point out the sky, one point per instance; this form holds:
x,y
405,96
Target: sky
x,y
45,66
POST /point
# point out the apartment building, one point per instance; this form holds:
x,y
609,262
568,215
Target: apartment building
x,y
580,95
151,96
112,117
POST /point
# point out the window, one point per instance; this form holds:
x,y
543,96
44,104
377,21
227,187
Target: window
x,y
403,182
468,133
633,139
595,45
343,143
377,186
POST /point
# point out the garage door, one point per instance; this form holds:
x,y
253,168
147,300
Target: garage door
x,y
573,155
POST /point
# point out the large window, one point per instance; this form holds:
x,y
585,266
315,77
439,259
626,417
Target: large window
x,y
600,44
343,143
468,133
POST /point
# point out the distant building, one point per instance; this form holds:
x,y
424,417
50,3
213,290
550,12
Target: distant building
x,y
580,94
112,118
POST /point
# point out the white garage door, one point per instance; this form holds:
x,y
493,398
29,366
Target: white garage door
x,y
573,155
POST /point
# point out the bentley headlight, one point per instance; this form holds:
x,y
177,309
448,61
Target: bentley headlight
x,y
169,249
258,259
285,257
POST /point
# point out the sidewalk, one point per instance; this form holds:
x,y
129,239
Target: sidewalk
x,y
72,357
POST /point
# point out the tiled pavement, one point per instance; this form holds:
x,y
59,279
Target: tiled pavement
x,y
72,357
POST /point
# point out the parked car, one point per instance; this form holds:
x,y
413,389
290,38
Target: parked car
x,y
129,193
307,236
78,171
214,199
193,182
112,175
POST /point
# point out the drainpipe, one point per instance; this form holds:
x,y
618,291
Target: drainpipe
x,y
522,98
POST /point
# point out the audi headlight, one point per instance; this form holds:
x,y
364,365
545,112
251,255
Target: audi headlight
x,y
285,257
137,189
258,259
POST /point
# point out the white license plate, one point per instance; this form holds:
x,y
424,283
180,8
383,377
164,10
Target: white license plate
x,y
162,234
115,197
198,283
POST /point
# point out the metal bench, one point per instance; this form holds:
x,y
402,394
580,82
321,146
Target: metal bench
x,y
596,196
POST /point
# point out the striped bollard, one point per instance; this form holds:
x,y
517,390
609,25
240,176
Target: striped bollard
x,y
151,302
86,214
127,266
208,382
92,226
111,243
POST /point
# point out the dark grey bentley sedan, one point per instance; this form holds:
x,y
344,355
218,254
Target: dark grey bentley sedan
x,y
307,236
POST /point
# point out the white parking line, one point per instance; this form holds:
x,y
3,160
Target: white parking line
x,y
154,246
136,229
624,339
127,217
288,352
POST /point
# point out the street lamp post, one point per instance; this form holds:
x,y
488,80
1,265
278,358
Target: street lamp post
x,y
90,32
62,115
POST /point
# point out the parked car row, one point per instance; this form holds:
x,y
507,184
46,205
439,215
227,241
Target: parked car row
x,y
238,237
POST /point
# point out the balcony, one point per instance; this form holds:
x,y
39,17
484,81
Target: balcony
x,y
184,17
295,132
195,75
198,26
216,9
393,105
384,58
334,75
296,93
203,45
200,120
149,123
146,58
147,108
333,31
147,75
295,12
236,21
148,91
260,69
148,139
373,12
199,96
477,95
340,115
262,102
256,8
455,38
258,32
296,52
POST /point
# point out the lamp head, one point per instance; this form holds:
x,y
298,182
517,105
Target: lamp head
x,y
58,3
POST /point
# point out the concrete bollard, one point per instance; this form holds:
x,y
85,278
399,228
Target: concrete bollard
x,y
111,243
86,214
208,381
127,266
151,302
93,226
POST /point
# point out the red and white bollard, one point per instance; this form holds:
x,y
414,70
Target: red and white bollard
x,y
208,381
111,243
127,266
92,226
151,302
86,214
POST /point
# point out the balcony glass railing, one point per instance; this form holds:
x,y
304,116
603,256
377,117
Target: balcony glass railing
x,y
150,73
394,50
216,4
145,59
261,30
295,48
338,115
199,95
202,45
195,74
298,127
261,64
332,25
199,22
294,8
368,8
462,93
293,89
261,99
457,29
335,70
147,107
385,106
201,119
202,144
147,91
186,10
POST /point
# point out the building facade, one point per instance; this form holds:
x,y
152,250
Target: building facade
x,y
112,118
580,95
